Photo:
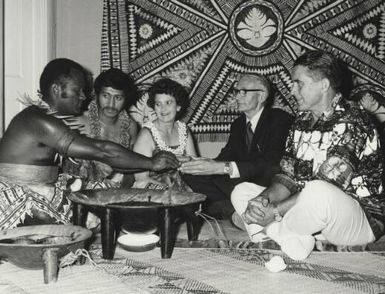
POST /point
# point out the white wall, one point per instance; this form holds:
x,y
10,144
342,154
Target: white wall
x,y
27,48
1,68
210,149
35,31
78,31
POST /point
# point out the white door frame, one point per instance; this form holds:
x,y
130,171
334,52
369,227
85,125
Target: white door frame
x,y
2,116
29,38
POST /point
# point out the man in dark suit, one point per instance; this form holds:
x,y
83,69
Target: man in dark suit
x,y
252,153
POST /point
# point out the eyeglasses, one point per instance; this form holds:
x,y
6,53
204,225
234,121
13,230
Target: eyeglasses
x,y
243,92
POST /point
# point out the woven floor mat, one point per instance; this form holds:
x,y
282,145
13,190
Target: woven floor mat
x,y
74,280
222,243
222,234
231,270
270,244
205,270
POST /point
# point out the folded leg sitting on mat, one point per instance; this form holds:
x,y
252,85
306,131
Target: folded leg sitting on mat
x,y
319,207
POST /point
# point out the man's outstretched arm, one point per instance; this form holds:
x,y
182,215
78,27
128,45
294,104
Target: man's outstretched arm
x,y
59,137
118,157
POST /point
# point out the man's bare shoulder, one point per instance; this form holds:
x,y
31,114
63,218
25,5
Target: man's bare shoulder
x,y
32,112
31,137
35,116
35,121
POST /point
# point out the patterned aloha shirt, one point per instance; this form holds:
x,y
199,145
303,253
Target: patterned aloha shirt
x,y
342,148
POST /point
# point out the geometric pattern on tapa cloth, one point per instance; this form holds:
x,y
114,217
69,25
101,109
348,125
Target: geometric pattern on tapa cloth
x,y
357,281
17,201
206,45
155,279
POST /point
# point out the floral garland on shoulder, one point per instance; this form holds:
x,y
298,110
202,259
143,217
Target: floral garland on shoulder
x,y
38,101
96,128
182,133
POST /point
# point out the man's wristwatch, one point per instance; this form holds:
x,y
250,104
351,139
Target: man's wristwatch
x,y
277,215
227,169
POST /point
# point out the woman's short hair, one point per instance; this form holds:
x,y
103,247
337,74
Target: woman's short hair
x,y
172,88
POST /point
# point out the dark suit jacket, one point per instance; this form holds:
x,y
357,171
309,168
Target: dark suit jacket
x,y
267,148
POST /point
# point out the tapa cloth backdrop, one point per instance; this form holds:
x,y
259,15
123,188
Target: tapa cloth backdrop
x,y
206,45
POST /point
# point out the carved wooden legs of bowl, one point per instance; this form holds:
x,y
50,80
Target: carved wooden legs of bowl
x,y
51,265
192,222
109,222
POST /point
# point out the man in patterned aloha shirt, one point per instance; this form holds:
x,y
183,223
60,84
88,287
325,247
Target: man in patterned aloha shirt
x,y
330,179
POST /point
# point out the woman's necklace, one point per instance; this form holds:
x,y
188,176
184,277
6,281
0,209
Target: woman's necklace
x,y
182,138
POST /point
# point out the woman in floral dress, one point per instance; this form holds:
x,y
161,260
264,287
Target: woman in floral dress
x,y
169,99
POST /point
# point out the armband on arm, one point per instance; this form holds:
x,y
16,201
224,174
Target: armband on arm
x,y
64,142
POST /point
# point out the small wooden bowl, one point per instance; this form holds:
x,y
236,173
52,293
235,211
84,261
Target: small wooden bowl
x,y
46,256
138,242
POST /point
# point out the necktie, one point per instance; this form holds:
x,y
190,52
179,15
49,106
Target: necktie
x,y
249,135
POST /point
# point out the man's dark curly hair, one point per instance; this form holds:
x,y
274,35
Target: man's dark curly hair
x,y
119,80
172,88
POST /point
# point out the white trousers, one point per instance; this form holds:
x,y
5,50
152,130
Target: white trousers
x,y
320,207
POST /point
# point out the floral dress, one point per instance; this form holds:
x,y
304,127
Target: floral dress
x,y
169,178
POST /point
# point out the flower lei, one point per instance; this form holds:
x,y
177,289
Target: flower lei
x,y
182,132
27,100
96,128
